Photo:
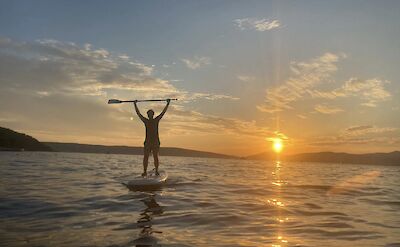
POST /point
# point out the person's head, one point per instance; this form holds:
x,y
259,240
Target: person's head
x,y
150,114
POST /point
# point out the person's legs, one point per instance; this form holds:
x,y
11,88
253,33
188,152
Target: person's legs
x,y
155,156
145,160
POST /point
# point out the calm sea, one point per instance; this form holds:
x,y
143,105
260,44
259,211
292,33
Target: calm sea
x,y
65,199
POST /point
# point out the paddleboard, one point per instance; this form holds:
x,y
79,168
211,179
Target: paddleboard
x,y
150,180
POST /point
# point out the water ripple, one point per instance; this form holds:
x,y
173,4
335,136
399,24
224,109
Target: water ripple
x,y
65,199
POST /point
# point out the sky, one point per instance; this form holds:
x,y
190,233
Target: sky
x,y
320,75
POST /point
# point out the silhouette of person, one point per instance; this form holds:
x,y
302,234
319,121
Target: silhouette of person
x,y
152,141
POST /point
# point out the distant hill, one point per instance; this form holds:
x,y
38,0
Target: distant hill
x,y
262,156
14,141
164,151
392,158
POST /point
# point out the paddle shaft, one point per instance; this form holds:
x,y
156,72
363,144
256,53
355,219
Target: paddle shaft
x,y
117,101
144,100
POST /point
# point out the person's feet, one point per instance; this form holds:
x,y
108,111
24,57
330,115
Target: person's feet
x,y
157,174
144,174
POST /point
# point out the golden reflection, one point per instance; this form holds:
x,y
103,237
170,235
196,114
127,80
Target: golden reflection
x,y
280,240
277,183
276,202
280,218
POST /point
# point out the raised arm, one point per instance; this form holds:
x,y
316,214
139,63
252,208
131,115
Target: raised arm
x,y
164,111
138,112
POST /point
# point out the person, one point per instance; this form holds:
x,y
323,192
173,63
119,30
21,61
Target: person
x,y
152,141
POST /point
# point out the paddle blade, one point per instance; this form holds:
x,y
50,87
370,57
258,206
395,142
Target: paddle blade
x,y
114,101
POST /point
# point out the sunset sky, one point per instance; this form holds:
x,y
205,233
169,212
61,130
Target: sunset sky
x,y
321,75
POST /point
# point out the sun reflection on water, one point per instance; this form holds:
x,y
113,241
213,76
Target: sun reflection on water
x,y
280,240
277,201
282,220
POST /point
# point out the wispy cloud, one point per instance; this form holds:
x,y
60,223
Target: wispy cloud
x,y
64,82
359,135
360,130
260,25
209,96
333,141
246,78
60,67
327,109
278,135
190,122
371,91
306,76
46,67
196,62
301,116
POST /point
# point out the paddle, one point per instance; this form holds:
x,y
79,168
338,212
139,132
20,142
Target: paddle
x,y
117,101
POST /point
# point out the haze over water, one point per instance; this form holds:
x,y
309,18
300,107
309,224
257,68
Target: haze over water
x,y
64,199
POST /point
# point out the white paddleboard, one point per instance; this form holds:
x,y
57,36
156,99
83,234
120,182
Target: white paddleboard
x,y
150,180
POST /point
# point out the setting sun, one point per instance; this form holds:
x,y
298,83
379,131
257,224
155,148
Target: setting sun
x,y
277,145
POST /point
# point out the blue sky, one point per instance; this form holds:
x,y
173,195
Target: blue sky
x,y
335,63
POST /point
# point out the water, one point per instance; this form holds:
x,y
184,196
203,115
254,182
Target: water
x,y
64,199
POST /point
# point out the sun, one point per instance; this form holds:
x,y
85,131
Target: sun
x,y
277,145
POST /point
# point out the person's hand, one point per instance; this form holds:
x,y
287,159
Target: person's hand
x,y
135,101
168,100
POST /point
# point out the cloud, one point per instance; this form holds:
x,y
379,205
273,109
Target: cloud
x,y
46,67
366,129
335,141
371,91
260,25
7,120
277,135
306,76
359,135
190,122
301,116
124,57
208,96
358,128
54,66
246,78
63,88
327,109
196,62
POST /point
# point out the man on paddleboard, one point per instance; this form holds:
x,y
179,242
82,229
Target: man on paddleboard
x,y
152,141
